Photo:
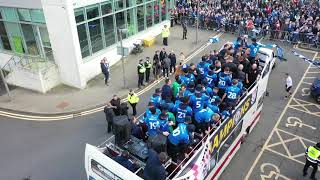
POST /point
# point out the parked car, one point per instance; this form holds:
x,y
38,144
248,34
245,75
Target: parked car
x,y
315,90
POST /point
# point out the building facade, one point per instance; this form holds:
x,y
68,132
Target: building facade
x,y
72,36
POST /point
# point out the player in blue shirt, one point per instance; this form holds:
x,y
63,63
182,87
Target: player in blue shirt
x,y
254,49
232,94
169,104
224,81
152,122
203,67
198,100
180,138
156,98
148,111
182,110
164,121
202,119
206,89
212,78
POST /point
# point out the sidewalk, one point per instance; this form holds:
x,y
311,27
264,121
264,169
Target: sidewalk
x,y
64,99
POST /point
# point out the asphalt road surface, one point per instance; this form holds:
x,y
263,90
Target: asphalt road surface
x,y
55,150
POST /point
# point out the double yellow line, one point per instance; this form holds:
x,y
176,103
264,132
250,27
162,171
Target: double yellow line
x,y
22,116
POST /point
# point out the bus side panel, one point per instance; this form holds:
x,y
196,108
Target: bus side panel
x,y
100,167
232,150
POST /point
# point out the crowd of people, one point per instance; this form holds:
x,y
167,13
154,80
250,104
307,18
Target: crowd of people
x,y
202,96
294,21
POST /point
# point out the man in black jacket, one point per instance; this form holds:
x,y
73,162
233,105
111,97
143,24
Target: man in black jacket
x,y
173,62
108,111
154,169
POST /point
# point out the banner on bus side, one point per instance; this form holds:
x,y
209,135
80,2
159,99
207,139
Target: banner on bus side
x,y
227,126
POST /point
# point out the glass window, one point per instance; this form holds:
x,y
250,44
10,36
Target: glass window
x,y
225,146
131,23
139,2
156,12
95,35
14,32
109,32
24,15
79,15
163,10
92,12
4,37
0,13
120,22
83,39
30,39
149,15
140,18
129,3
10,14
106,8
119,4
37,16
45,36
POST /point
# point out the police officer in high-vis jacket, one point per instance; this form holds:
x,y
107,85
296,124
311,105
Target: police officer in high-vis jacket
x,y
141,71
313,159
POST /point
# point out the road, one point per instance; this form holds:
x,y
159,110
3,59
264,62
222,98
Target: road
x,y
54,150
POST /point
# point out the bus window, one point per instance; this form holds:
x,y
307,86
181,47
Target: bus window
x,y
225,146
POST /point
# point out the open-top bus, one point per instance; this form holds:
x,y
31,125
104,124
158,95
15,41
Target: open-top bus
x,y
209,157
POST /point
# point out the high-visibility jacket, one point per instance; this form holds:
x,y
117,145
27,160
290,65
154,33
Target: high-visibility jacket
x,y
141,68
132,99
148,64
165,32
313,154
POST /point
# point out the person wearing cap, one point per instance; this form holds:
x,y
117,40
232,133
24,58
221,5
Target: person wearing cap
x,y
141,70
148,66
165,34
124,161
156,98
198,100
180,138
154,169
312,159
133,100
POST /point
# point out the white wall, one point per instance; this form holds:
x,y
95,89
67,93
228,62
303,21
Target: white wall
x,y
31,4
63,35
4,58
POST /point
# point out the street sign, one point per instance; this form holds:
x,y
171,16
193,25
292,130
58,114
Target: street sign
x,y
125,51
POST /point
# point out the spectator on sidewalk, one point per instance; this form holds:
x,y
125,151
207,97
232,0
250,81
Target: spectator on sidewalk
x,y
133,100
162,54
288,85
156,65
115,104
182,58
108,111
173,62
141,70
165,35
184,31
148,66
165,66
105,68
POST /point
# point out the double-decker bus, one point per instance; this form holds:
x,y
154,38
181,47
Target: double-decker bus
x,y
208,158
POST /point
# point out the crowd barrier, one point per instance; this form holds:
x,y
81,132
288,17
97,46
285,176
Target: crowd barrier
x,y
306,39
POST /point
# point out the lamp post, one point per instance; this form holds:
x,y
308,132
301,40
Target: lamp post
x,y
198,4
120,32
